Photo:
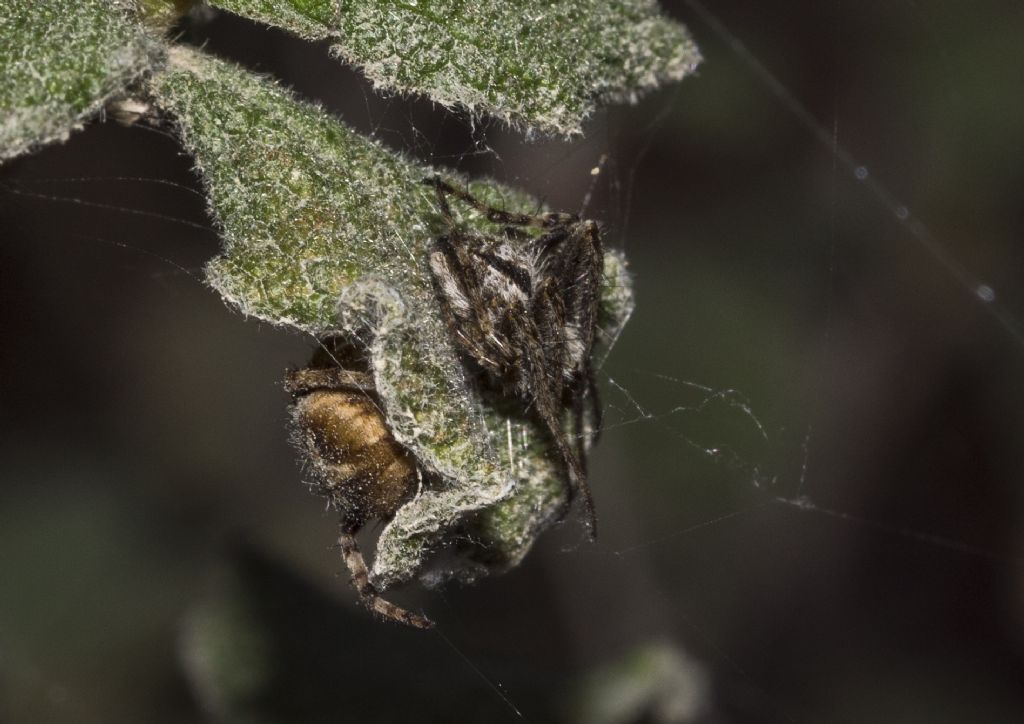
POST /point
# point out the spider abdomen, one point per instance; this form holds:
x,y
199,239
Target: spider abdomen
x,y
355,460
340,429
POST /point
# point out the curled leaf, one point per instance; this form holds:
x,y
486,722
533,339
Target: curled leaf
x,y
326,230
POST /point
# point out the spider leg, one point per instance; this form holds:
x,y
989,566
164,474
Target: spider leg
x,y
546,243
582,391
463,300
442,189
578,428
595,404
498,216
543,376
514,232
574,460
361,580
577,270
300,382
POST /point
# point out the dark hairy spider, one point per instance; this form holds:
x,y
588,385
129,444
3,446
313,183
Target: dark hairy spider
x,y
523,308
355,461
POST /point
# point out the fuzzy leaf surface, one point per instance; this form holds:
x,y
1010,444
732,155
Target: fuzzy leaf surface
x,y
60,61
540,65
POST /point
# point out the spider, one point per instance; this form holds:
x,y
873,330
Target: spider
x,y
523,308
354,459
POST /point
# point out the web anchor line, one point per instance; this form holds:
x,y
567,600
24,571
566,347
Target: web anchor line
x,y
978,288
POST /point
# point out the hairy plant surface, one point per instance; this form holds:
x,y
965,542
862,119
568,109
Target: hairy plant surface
x,y
60,62
328,231
536,64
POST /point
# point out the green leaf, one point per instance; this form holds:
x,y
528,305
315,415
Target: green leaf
x,y
652,682
537,64
326,230
60,61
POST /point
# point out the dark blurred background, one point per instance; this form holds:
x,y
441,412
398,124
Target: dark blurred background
x,y
809,485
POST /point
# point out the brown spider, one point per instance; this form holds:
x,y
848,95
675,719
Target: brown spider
x,y
523,308
355,461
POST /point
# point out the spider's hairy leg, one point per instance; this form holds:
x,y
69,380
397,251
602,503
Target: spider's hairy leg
x,y
361,581
299,382
573,459
573,262
467,307
544,339
575,258
452,276
498,216
590,392
441,190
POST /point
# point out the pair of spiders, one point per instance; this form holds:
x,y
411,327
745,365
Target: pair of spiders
x,y
522,309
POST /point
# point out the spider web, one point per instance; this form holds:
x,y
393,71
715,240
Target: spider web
x,y
807,479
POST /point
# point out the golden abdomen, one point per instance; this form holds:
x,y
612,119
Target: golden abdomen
x,y
355,460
